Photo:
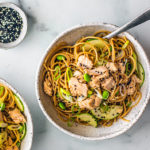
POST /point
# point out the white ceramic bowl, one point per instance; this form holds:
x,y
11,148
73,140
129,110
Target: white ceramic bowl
x,y
27,141
87,132
24,29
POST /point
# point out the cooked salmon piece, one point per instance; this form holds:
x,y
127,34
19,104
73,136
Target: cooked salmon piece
x,y
121,67
95,82
1,116
17,116
48,87
79,76
90,103
112,66
77,88
133,81
100,71
84,62
108,83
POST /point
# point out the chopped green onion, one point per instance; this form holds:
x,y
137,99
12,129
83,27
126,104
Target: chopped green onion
x,y
62,105
57,73
105,94
89,93
60,57
1,90
70,122
87,78
136,60
129,104
117,93
18,144
14,127
66,94
125,44
21,129
110,48
69,73
2,106
57,95
128,68
90,40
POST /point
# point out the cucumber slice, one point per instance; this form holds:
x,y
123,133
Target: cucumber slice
x,y
86,117
112,112
97,43
24,130
19,103
141,73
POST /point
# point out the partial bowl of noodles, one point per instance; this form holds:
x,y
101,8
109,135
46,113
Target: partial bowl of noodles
x,y
16,129
90,87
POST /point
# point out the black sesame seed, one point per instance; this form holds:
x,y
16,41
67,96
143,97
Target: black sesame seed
x,y
10,25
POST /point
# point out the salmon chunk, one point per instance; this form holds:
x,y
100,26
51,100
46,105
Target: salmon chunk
x,y
79,76
108,83
48,87
16,116
95,82
100,71
131,88
112,66
84,62
121,67
77,88
90,103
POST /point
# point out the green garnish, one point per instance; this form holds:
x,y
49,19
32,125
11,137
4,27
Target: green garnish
x,y
117,93
69,73
18,144
62,105
104,107
70,122
89,93
125,44
2,106
66,94
110,48
90,40
105,94
129,104
57,95
57,73
1,90
87,77
60,57
128,68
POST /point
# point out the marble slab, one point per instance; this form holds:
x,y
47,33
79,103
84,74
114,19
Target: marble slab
x,y
48,18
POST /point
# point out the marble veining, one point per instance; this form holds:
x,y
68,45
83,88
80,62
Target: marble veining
x,y
48,18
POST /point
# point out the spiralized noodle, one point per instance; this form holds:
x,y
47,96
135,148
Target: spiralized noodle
x,y
113,51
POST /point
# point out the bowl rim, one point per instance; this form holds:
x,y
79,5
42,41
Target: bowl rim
x,y
3,81
112,26
24,29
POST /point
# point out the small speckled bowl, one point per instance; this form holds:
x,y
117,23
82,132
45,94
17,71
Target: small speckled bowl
x,y
23,31
87,132
27,141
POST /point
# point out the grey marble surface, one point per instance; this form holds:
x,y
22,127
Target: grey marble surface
x,y
48,18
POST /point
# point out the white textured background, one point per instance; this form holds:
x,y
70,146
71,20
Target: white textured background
x,y
48,18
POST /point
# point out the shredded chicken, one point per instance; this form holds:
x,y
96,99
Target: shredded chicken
x,y
108,83
1,116
131,88
77,88
112,66
121,67
84,62
48,87
90,103
101,71
16,116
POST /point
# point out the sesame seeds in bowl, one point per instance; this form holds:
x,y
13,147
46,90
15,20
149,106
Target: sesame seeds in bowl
x,y
13,25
